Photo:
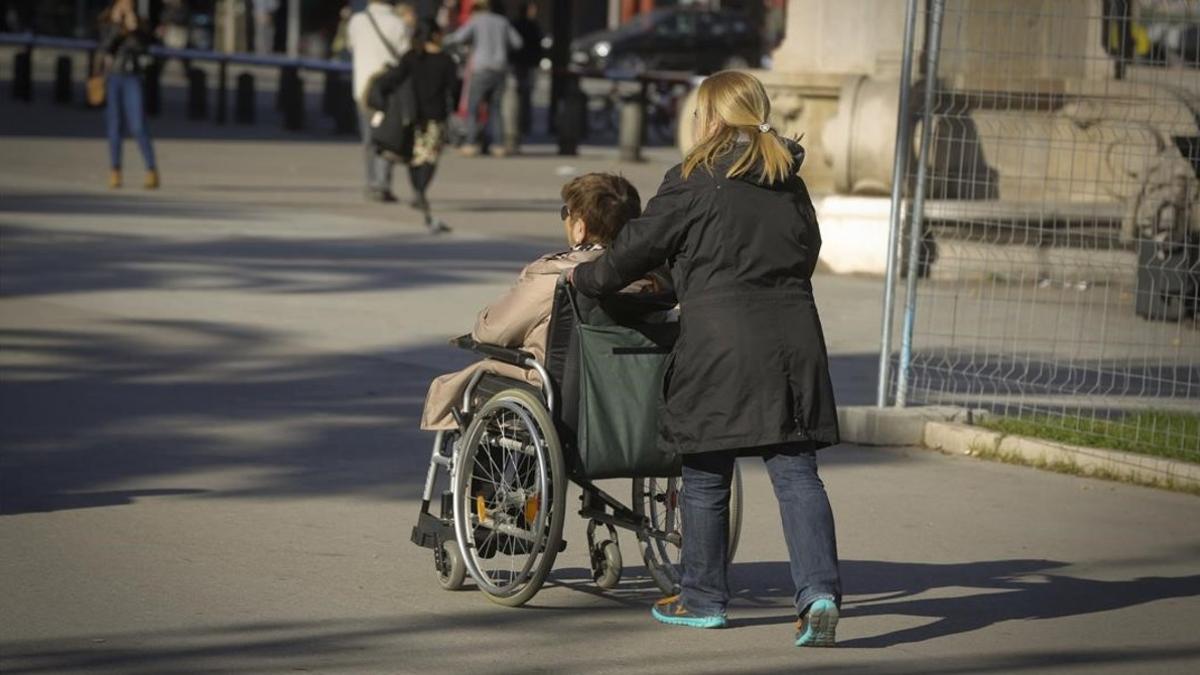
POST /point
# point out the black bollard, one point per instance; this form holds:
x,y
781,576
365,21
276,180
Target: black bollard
x,y
631,133
153,88
572,118
63,84
197,94
329,93
345,111
291,98
22,82
223,92
243,105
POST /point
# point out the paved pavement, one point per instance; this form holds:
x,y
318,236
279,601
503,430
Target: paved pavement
x,y
210,463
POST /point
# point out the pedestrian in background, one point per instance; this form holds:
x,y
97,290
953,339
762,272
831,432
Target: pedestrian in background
x,y
433,74
123,53
749,374
526,61
490,37
374,35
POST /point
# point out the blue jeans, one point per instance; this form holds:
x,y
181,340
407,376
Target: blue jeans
x,y
124,100
807,526
486,85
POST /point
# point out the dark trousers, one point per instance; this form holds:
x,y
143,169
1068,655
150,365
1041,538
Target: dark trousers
x,y
807,526
526,80
124,103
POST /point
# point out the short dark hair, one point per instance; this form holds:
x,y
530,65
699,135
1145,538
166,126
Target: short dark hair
x,y
425,32
605,201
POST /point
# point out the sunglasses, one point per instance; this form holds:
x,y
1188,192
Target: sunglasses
x,y
564,212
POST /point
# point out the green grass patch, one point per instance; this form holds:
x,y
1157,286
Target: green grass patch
x,y
1074,469
1161,434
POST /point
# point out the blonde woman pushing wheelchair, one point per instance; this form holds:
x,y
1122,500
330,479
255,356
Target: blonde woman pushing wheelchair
x,y
749,375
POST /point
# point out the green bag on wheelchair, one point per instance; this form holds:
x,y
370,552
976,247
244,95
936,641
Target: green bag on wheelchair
x,y
621,374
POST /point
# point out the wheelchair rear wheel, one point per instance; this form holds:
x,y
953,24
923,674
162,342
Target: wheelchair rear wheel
x,y
509,497
658,500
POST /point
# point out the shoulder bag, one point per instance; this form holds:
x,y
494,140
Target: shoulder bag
x,y
394,116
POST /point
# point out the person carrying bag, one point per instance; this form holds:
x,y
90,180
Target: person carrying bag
x,y
393,108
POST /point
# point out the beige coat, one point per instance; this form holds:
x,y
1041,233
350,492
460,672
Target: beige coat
x,y
521,319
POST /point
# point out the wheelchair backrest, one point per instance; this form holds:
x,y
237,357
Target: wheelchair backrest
x,y
644,312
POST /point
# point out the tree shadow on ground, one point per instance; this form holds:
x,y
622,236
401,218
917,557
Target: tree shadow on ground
x,y
84,410
38,262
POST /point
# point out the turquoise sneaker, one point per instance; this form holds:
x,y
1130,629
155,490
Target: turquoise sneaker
x,y
671,611
817,627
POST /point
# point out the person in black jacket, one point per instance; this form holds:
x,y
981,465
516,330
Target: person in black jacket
x,y
749,374
434,75
526,61
124,44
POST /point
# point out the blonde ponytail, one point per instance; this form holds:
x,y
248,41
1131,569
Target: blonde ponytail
x,y
731,104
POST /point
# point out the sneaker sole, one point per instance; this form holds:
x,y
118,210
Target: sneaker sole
x,y
690,622
821,627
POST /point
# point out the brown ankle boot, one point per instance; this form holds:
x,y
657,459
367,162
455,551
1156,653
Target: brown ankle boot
x,y
151,180
114,179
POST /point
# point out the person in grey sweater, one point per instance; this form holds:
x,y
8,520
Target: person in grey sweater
x,y
491,37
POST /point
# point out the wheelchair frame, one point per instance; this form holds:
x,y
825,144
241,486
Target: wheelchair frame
x,y
438,532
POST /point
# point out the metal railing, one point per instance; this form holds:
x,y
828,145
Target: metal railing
x,y
290,100
1049,221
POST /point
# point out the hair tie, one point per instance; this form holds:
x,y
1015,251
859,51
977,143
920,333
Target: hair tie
x,y
764,127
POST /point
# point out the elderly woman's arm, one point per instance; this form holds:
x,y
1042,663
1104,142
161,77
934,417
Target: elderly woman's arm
x,y
643,245
507,321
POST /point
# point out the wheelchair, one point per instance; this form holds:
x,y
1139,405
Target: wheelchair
x,y
499,516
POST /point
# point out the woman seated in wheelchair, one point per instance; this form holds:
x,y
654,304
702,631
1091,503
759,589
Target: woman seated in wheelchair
x,y
595,208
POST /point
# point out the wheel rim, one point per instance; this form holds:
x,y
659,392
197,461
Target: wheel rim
x,y
507,482
660,501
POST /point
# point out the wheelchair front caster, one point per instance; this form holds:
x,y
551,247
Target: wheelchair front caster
x,y
606,557
607,564
451,571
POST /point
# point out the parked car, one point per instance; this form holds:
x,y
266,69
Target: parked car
x,y
695,40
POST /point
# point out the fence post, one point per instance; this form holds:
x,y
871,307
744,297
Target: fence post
x,y
223,91
291,98
936,12
153,88
899,173
345,115
22,82
63,82
197,94
244,99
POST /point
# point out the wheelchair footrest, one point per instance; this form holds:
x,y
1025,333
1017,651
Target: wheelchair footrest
x,y
430,531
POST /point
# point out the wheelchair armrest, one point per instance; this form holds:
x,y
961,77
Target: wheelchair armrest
x,y
516,357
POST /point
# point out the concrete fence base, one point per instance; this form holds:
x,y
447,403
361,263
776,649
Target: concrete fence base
x,y
949,429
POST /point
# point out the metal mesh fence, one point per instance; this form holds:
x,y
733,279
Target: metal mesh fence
x,y
1057,274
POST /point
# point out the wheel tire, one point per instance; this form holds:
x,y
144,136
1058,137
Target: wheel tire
x,y
661,558
527,408
610,575
454,571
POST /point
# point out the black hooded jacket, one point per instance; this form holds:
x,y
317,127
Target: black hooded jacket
x,y
750,368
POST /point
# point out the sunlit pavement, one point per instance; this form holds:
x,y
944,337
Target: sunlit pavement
x,y
210,458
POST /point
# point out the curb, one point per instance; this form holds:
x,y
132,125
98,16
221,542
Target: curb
x,y
1100,463
949,429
